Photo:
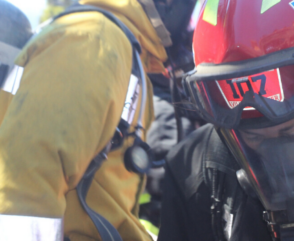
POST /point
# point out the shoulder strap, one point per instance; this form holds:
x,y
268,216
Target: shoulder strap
x,y
105,229
220,175
155,19
219,157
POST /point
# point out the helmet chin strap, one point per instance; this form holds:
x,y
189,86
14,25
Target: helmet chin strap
x,y
176,99
155,19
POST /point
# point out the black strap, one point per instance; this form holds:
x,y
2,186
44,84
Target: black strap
x,y
105,229
220,174
218,180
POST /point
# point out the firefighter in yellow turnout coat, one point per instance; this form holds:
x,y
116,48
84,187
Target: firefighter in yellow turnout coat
x,y
68,105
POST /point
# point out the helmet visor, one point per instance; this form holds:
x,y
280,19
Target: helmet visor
x,y
222,101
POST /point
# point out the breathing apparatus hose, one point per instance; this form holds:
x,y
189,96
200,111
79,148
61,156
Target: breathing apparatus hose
x,y
176,99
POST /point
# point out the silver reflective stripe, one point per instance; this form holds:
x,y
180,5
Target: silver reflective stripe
x,y
26,228
12,81
228,217
131,100
144,95
153,236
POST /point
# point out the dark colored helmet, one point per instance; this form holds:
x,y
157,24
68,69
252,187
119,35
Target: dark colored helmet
x,y
15,31
170,18
15,28
176,15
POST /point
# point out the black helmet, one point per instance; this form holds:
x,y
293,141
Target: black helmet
x,y
15,28
15,31
175,15
170,18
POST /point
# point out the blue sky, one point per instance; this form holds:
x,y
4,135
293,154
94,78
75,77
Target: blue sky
x,y
32,8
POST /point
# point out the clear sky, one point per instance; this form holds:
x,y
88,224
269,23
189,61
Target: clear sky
x,y
32,8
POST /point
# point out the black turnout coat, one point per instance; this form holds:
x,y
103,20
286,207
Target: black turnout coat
x,y
186,212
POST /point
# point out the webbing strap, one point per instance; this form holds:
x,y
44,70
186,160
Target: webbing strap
x,y
156,22
105,229
220,174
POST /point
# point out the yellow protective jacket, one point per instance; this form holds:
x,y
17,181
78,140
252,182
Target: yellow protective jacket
x,y
66,110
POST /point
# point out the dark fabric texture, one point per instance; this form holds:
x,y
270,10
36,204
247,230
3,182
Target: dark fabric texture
x,y
188,173
160,84
187,192
185,219
249,225
162,135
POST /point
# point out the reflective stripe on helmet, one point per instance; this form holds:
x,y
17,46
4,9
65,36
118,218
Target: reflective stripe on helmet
x,y
267,4
210,12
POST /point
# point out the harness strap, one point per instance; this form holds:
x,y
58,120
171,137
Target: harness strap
x,y
220,175
156,21
105,229
218,180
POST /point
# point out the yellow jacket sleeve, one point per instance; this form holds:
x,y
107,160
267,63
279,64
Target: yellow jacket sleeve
x,y
65,111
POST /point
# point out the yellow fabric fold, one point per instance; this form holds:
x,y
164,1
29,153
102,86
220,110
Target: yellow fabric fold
x,y
131,13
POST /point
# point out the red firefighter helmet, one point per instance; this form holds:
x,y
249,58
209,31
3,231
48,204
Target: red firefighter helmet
x,y
244,84
244,56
